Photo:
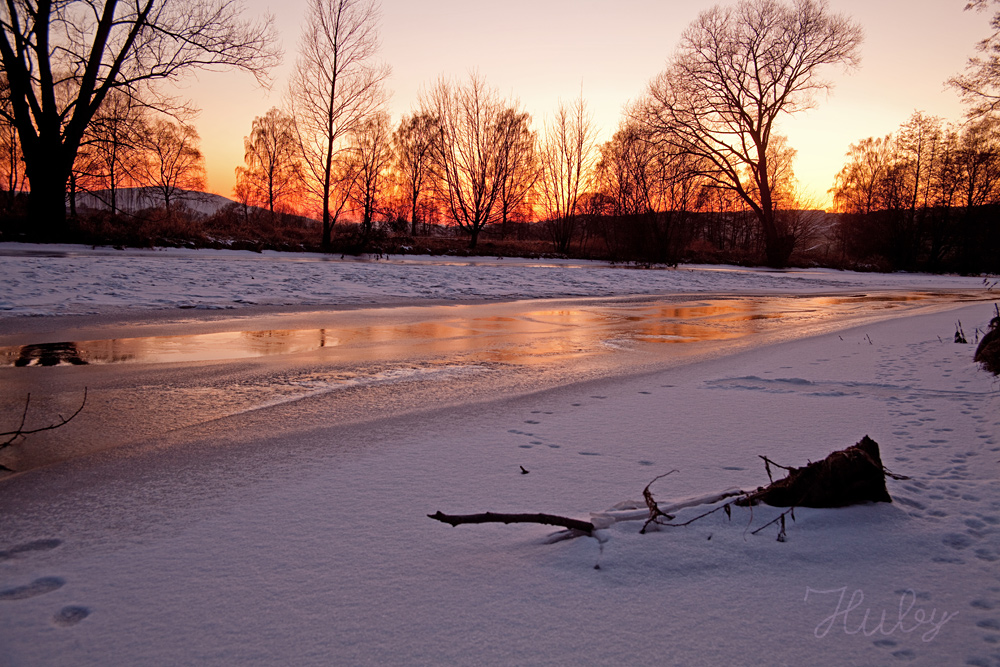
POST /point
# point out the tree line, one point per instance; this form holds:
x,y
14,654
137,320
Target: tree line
x,y
697,164
924,197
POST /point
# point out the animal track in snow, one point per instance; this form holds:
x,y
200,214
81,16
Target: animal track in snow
x,y
957,541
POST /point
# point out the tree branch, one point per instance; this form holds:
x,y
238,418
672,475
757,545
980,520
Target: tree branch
x,y
20,432
492,517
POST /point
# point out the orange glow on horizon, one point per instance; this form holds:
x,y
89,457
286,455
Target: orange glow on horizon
x,y
612,56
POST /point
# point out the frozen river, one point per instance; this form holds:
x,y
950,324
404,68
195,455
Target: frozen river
x,y
162,380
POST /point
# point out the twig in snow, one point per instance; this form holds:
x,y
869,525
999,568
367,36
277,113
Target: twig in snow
x,y
654,510
960,334
782,535
20,432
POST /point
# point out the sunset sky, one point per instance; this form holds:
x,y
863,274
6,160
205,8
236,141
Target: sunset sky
x,y
541,51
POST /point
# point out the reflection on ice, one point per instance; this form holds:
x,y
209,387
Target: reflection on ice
x,y
522,334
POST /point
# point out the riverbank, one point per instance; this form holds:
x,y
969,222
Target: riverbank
x,y
42,281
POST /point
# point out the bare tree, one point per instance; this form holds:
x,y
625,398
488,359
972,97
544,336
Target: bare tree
x,y
737,70
11,158
335,87
979,163
272,176
471,155
520,168
413,144
651,191
172,163
858,187
111,150
372,157
979,86
918,146
64,58
567,158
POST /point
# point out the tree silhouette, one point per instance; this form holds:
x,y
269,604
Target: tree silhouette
x,y
63,59
372,156
477,133
335,87
979,85
413,144
567,159
172,163
737,70
271,177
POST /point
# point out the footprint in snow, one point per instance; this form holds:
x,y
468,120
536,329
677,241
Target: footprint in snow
x,y
70,615
36,545
989,624
37,587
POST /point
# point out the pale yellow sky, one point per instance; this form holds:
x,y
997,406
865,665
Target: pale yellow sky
x,y
541,51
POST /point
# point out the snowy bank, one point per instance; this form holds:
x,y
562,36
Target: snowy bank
x,y
45,280
315,549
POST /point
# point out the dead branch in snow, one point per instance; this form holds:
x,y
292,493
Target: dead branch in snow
x,y
492,517
845,477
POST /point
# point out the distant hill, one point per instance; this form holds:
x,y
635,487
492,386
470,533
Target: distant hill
x,y
132,200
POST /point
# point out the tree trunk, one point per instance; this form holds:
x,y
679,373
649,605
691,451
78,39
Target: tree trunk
x,y
778,246
778,249
47,199
327,232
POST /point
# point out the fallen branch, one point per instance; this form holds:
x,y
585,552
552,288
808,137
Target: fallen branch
x,y
492,517
845,477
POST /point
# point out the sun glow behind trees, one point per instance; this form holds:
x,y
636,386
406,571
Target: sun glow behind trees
x,y
614,52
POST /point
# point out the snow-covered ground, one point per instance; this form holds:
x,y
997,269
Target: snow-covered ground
x,y
72,280
314,547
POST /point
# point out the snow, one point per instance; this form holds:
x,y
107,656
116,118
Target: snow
x,y
243,545
46,280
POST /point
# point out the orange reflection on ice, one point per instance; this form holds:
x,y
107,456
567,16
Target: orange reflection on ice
x,y
512,333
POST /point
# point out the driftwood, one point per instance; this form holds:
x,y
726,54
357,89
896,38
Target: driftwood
x,y
492,517
845,477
